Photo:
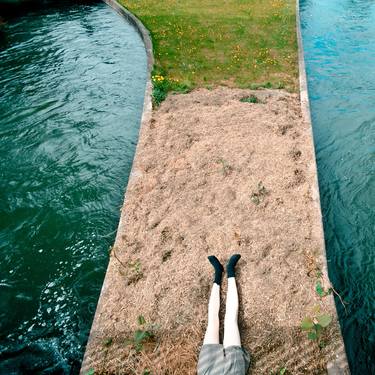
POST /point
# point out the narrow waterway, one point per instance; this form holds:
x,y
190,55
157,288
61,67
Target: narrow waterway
x,y
72,80
339,44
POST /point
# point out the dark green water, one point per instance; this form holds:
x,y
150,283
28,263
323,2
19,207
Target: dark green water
x,y
339,43
72,80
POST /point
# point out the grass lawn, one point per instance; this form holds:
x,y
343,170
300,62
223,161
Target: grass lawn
x,y
242,43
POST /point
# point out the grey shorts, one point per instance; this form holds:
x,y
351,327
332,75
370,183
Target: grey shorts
x,y
214,359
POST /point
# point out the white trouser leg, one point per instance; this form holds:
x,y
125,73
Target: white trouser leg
x,y
212,332
231,331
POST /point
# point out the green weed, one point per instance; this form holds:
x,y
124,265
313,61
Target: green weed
x,y
267,85
136,266
135,273
108,342
143,334
226,167
249,99
258,196
314,325
163,85
281,371
320,290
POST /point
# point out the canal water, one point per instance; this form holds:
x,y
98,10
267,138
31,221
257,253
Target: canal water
x,y
72,81
339,46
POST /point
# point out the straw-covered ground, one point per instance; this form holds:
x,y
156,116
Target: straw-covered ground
x,y
217,172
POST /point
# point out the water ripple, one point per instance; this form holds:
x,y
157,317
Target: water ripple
x,y
340,60
72,81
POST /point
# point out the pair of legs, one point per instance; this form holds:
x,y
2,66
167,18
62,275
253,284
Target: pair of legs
x,y
231,331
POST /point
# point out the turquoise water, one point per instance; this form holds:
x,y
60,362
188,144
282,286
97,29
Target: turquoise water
x,y
339,43
72,80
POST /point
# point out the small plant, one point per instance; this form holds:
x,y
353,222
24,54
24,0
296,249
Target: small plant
x,y
136,273
258,196
90,372
320,289
267,85
281,371
249,99
108,342
142,335
162,85
322,292
136,266
160,89
227,168
261,85
314,325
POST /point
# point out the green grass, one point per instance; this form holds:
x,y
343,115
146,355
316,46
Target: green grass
x,y
238,43
250,99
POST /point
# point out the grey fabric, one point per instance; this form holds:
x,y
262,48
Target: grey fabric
x,y
214,359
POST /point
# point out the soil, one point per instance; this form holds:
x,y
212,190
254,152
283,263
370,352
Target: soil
x,y
217,175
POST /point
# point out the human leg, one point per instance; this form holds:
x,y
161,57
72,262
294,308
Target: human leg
x,y
212,331
231,331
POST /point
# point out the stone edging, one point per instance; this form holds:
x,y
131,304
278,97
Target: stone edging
x,y
140,28
147,103
339,366
146,117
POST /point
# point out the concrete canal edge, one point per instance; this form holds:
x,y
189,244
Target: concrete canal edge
x,y
145,120
336,367
340,365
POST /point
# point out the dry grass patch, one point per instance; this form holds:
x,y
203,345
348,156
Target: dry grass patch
x,y
215,174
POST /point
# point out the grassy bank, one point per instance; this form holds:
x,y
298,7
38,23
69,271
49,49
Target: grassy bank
x,y
243,43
